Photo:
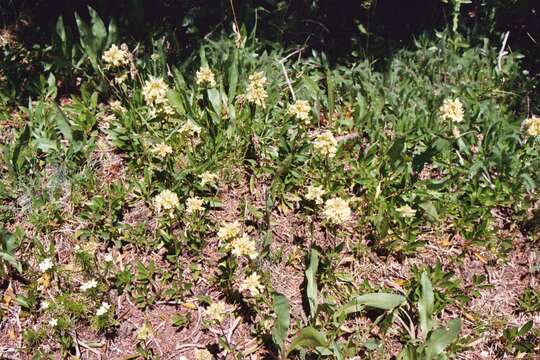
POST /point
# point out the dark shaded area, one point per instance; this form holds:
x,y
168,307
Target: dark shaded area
x,y
338,28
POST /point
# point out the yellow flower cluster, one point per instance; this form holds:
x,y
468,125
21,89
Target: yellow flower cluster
x,y
162,150
406,211
326,144
116,57
300,109
117,107
190,129
337,210
532,126
205,77
166,200
229,231
452,110
252,284
217,311
208,178
244,246
256,93
155,95
315,193
194,204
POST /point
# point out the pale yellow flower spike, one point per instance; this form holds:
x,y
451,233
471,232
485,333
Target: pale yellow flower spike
x,y
326,144
337,210
452,110
205,77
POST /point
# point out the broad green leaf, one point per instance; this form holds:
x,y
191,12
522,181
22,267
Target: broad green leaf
x,y
425,304
441,338
175,99
22,141
311,280
430,211
381,301
233,76
281,325
112,34
62,124
307,338
331,94
99,31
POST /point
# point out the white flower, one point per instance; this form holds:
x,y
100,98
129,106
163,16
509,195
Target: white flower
x,y
315,193
326,144
162,150
300,109
53,322
337,211
46,265
194,204
452,110
166,200
108,257
255,91
217,311
206,77
89,285
243,245
253,284
229,231
45,305
406,211
115,56
208,178
190,129
103,309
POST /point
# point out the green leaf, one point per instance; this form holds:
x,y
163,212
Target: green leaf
x,y
381,301
281,325
525,328
175,99
311,279
441,338
331,95
430,211
99,31
62,124
425,304
22,141
233,76
307,338
86,40
112,35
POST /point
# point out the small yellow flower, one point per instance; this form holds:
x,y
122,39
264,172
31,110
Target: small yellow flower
x,y
252,284
217,311
532,126
205,77
155,95
256,93
326,144
315,193
229,231
194,204
452,110
406,211
244,246
166,200
115,57
300,109
337,210
208,178
190,129
162,150
117,107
